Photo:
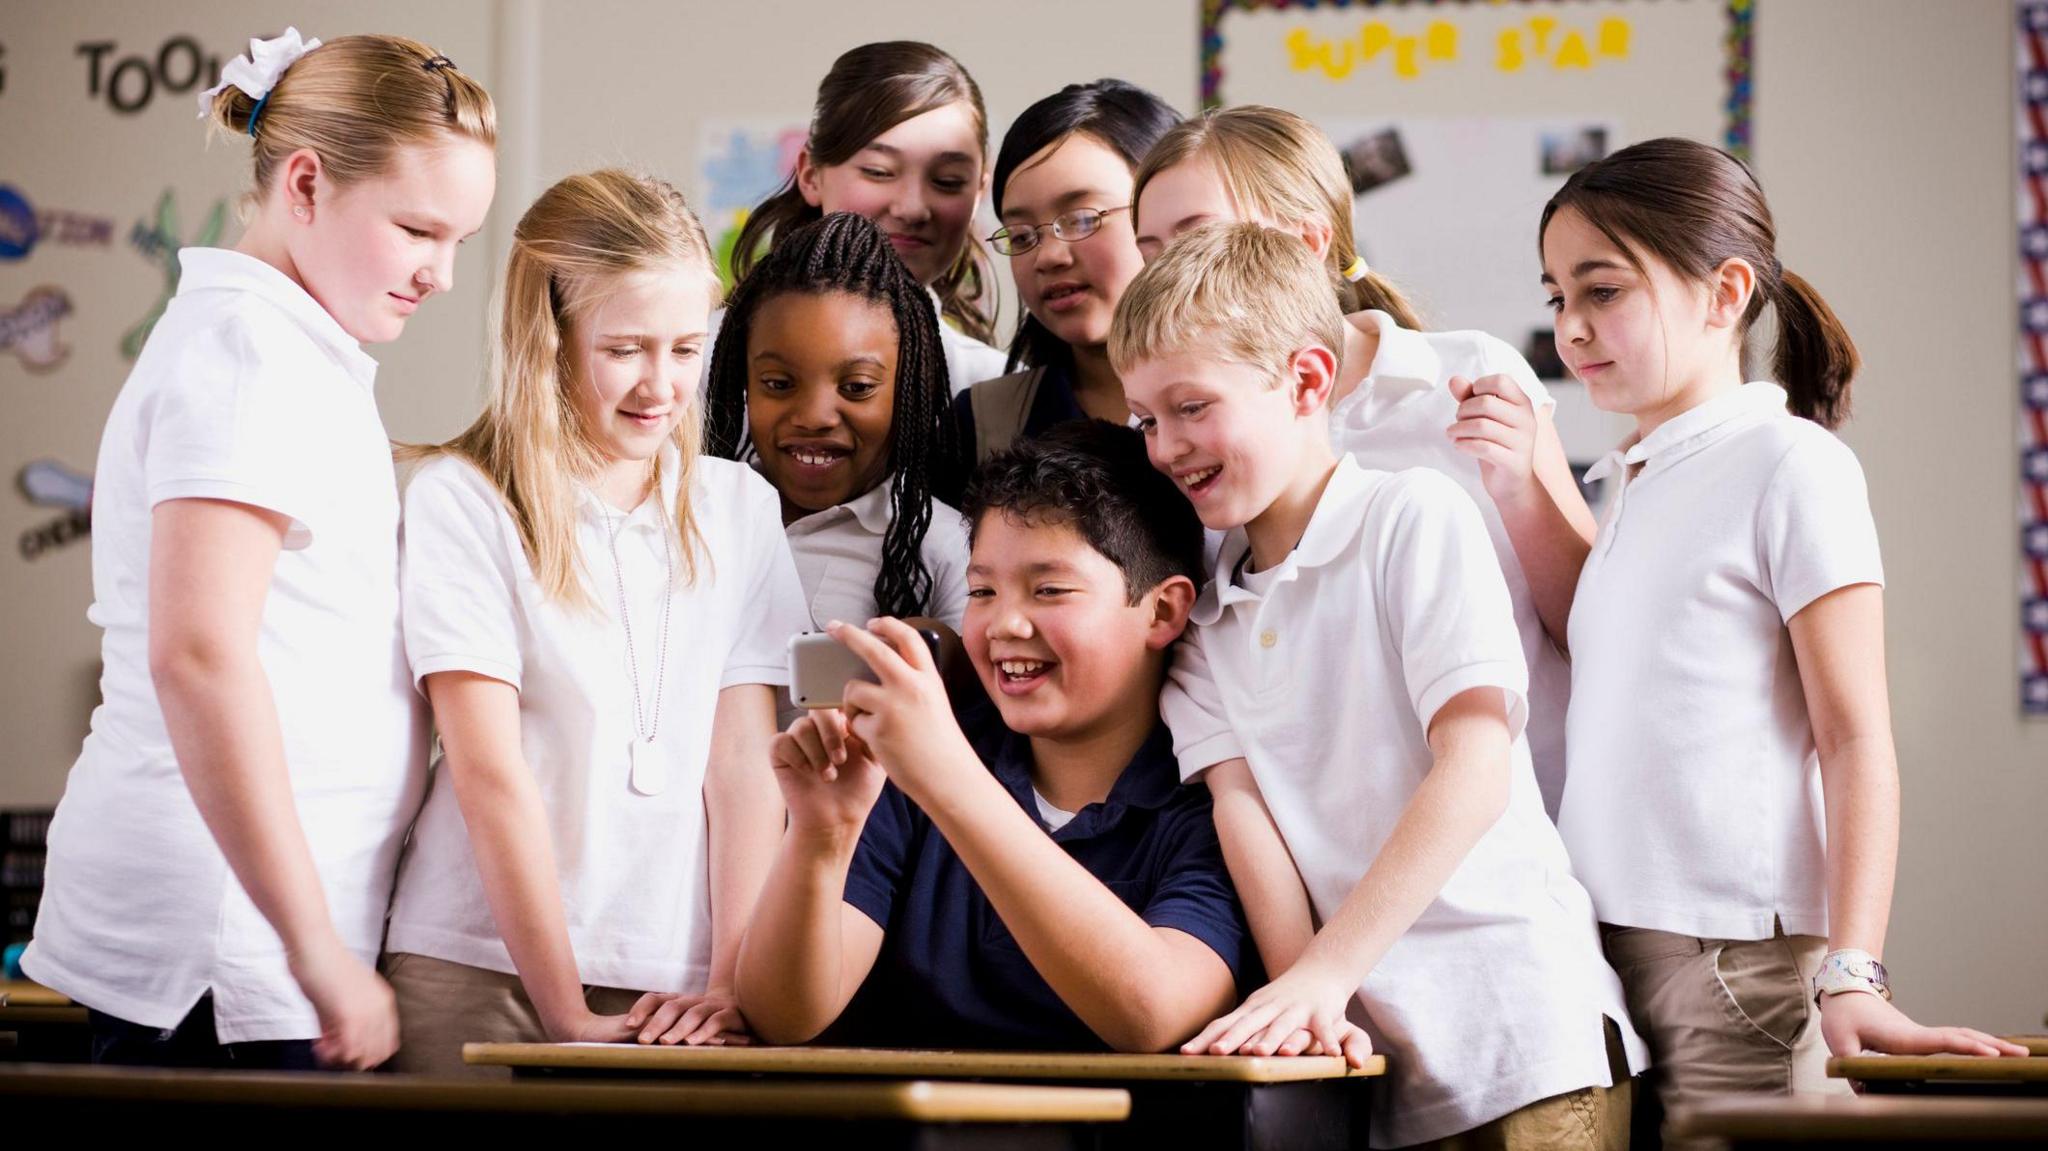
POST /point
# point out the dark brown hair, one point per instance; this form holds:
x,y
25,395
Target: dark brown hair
x,y
1695,207
869,90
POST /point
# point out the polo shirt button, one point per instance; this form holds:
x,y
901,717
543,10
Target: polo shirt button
x,y
1268,638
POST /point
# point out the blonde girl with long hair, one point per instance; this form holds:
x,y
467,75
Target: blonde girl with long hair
x,y
1460,402
598,616
221,863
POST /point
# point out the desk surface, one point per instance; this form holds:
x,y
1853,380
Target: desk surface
x,y
1946,1068
2035,1044
911,1101
22,993
865,1061
1858,1118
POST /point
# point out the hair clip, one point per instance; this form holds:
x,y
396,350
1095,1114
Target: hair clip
x,y
1356,270
436,63
257,71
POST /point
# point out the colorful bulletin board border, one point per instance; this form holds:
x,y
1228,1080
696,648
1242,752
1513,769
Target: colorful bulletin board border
x,y
2030,113
1737,48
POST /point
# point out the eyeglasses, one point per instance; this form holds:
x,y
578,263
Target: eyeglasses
x,y
1078,224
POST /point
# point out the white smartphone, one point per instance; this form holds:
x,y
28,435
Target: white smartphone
x,y
820,667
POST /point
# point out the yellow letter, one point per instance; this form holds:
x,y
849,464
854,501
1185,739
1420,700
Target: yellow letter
x,y
1614,37
1541,26
1510,58
1440,41
1572,53
1374,37
1404,58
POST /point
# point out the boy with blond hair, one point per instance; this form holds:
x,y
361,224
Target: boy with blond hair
x,y
1353,691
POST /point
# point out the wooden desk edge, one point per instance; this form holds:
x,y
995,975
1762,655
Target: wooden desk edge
x,y
901,1100
22,993
1979,1068
21,1014
1862,1117
895,1063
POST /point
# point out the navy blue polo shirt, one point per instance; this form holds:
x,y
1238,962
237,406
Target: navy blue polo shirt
x,y
950,974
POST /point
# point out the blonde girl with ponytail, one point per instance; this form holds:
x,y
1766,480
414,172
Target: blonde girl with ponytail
x,y
598,616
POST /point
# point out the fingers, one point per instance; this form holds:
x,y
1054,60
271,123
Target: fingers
x,y
665,1018
1502,385
881,658
1356,1045
1206,1038
710,1028
1300,1041
906,642
644,1007
1461,388
1276,1034
1253,1023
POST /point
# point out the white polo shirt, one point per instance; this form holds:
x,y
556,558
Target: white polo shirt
x,y
1326,683
838,554
968,360
1693,803
247,391
1397,418
633,867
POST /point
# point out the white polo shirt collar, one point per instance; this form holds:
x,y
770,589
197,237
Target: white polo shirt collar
x,y
650,513
1331,527
1688,432
224,269
873,510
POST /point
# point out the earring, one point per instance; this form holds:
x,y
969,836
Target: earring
x,y
299,210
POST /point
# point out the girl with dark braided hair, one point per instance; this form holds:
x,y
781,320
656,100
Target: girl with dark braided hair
x,y
830,378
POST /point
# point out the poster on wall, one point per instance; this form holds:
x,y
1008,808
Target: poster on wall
x,y
2031,123
1458,120
740,164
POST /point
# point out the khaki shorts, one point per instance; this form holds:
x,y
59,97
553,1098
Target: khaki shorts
x,y
1723,1016
442,1005
1589,1119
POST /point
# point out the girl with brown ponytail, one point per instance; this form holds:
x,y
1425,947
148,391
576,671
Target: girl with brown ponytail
x,y
1732,794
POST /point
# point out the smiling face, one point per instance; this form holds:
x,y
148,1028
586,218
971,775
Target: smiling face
x,y
1230,438
1052,633
821,396
1645,343
371,252
919,182
635,357
1072,288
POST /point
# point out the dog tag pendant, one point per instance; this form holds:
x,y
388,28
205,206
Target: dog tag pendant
x,y
646,769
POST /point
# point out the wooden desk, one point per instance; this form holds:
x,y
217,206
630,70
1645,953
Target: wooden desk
x,y
22,993
1176,1100
1945,1074
2035,1044
1771,1123
895,1113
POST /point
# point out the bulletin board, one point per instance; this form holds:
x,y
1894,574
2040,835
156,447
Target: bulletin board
x,y
2030,118
1459,119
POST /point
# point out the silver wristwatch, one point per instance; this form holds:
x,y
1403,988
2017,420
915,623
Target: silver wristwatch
x,y
1850,970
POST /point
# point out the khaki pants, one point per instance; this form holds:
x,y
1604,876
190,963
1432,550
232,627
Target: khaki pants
x,y
443,1005
1589,1119
1723,1016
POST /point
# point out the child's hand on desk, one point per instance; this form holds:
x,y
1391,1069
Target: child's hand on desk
x,y
829,779
1301,1012
589,1027
709,1020
906,720
1854,1023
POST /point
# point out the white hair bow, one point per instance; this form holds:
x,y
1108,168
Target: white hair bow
x,y
257,72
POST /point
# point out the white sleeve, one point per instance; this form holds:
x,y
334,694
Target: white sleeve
x,y
229,424
945,553
1191,705
459,576
1445,600
1815,531
772,606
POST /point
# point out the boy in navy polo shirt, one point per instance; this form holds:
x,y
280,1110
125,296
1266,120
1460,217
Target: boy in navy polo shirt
x,y
1030,874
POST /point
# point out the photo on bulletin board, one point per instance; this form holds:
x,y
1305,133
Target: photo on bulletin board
x,y
1458,120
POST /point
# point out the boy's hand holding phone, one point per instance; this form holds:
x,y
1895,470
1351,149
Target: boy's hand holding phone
x,y
905,720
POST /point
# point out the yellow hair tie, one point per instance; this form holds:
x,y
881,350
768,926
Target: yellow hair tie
x,y
1357,270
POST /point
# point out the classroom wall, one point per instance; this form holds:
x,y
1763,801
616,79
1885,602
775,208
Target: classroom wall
x,y
1883,134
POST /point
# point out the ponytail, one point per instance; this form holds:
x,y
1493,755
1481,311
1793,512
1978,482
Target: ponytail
x,y
1816,361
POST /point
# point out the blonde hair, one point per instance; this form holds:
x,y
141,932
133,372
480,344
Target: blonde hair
x,y
354,101
1241,291
574,248
1281,166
